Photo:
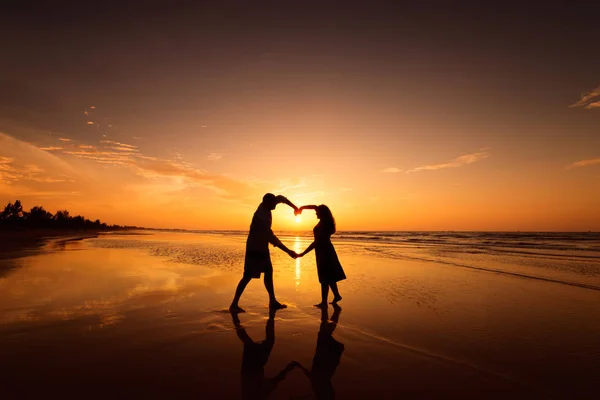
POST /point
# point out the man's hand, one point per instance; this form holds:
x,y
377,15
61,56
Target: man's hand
x,y
293,254
298,211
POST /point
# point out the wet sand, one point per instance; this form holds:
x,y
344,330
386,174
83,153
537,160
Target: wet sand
x,y
145,316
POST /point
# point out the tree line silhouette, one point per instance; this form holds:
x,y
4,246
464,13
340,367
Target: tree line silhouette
x,y
14,216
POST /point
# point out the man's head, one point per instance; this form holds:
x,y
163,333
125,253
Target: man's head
x,y
270,201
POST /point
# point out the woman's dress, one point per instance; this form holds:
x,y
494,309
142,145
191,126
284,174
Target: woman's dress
x,y
328,265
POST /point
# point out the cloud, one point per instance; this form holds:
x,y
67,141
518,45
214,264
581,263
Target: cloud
x,y
287,185
124,145
457,162
121,148
589,100
20,160
214,156
11,173
64,139
584,163
51,148
105,157
128,156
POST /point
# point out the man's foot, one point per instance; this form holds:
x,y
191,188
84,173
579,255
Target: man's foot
x,y
275,305
336,299
236,309
321,305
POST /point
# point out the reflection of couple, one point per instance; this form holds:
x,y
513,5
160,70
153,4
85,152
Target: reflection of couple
x,y
258,259
255,356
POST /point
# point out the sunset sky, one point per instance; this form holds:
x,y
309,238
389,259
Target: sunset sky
x,y
420,117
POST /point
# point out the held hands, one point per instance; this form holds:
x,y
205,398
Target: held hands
x,y
293,254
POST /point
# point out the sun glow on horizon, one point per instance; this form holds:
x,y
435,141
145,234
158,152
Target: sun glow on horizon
x,y
298,219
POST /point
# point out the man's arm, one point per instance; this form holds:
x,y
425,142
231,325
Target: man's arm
x,y
274,240
284,200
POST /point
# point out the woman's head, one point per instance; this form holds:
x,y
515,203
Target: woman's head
x,y
325,215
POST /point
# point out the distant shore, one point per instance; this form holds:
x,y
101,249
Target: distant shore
x,y
21,242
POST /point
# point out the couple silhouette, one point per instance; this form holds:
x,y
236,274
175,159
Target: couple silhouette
x,y
258,259
255,356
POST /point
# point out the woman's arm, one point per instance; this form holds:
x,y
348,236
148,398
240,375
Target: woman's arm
x,y
308,249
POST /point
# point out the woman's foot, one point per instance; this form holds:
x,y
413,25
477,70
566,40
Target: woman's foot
x,y
276,305
234,308
336,299
321,305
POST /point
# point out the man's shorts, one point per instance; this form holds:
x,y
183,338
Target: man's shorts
x,y
257,262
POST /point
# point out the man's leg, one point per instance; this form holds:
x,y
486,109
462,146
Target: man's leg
x,y
273,303
238,293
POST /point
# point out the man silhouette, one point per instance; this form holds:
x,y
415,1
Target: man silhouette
x,y
255,356
258,259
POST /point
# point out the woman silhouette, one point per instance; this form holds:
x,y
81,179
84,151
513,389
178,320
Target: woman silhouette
x,y
329,269
327,356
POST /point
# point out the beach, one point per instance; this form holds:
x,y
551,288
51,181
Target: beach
x,y
423,315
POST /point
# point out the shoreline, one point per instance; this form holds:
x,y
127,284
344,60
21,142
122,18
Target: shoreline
x,y
21,243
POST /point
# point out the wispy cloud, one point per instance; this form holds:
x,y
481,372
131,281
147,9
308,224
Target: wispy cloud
x,y
215,156
51,148
11,173
23,161
129,156
62,139
124,145
589,100
457,162
584,163
287,185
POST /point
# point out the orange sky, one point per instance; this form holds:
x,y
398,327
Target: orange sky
x,y
127,183
447,125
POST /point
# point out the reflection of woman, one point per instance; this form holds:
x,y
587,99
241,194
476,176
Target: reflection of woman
x,y
327,356
328,265
254,359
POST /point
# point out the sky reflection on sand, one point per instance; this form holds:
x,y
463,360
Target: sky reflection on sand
x,y
98,302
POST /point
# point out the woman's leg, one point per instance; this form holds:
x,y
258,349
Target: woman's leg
x,y
336,293
324,294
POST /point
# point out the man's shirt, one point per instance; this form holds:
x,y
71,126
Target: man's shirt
x,y
260,231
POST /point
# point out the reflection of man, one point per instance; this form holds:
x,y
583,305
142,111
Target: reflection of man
x,y
258,259
254,359
327,356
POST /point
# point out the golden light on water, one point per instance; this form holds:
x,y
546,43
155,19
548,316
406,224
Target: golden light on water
x,y
297,249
